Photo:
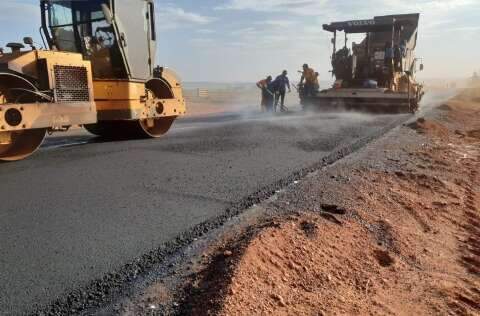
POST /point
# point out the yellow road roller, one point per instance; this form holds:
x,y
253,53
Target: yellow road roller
x,y
98,71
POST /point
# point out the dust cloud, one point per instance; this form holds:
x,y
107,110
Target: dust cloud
x,y
241,103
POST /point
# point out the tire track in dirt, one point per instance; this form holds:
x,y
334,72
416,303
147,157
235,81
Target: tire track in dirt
x,y
467,301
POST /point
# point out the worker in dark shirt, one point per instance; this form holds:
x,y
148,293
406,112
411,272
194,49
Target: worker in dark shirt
x,y
281,83
270,96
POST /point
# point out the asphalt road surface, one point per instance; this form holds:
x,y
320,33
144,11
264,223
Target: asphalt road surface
x,y
80,208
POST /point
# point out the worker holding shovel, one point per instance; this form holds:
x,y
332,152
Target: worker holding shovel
x,y
281,84
267,93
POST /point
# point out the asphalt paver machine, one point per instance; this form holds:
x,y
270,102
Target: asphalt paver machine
x,y
98,71
376,75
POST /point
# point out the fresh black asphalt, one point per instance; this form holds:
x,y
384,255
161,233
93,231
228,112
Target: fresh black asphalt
x,y
80,208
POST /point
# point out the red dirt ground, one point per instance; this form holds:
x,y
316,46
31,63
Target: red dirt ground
x,y
409,243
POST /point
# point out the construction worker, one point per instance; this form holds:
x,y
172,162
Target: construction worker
x,y
317,83
308,75
280,85
403,48
389,55
270,96
397,57
266,93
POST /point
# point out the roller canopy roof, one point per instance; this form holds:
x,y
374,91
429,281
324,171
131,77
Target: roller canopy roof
x,y
377,24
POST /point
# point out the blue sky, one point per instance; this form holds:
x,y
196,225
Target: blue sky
x,y
243,40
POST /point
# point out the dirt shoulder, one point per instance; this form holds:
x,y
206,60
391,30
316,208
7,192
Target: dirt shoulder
x,y
393,229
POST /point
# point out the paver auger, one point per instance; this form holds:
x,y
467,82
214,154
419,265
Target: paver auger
x,y
376,75
98,72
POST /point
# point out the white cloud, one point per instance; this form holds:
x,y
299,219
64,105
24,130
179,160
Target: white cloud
x,y
340,8
205,31
245,32
436,15
302,7
202,41
466,29
277,23
171,17
286,33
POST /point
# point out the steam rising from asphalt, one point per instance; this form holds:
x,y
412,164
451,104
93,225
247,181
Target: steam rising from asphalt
x,y
295,120
242,106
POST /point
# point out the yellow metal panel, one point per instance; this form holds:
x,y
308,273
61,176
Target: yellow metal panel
x,y
25,62
49,115
66,59
71,60
118,95
131,96
110,105
118,90
173,107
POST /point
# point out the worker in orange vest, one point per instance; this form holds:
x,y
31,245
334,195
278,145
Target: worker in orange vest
x,y
309,77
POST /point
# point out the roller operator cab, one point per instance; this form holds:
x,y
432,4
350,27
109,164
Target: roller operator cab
x,y
99,71
377,74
